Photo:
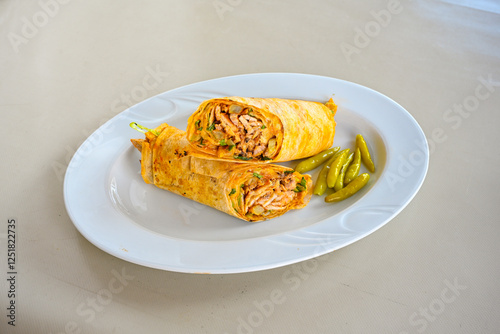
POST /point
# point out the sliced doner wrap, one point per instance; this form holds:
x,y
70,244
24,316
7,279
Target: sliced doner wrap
x,y
261,129
252,192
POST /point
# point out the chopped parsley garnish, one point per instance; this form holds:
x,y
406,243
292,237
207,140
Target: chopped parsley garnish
x,y
211,127
143,129
257,175
301,186
264,158
233,191
263,127
288,172
230,147
222,142
303,182
242,158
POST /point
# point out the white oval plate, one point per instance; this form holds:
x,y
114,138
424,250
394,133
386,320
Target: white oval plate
x,y
115,210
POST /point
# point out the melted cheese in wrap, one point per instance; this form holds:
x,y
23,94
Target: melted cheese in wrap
x,y
261,129
252,192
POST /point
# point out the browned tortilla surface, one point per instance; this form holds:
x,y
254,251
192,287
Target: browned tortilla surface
x,y
168,163
261,129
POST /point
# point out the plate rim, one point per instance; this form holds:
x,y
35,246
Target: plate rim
x,y
256,267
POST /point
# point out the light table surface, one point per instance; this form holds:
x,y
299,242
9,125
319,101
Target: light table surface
x,y
69,66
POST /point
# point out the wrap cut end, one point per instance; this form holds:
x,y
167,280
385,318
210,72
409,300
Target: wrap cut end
x,y
248,191
261,129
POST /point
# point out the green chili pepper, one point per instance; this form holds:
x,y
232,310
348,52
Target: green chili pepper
x,y
349,190
354,167
334,171
320,186
316,160
365,154
339,184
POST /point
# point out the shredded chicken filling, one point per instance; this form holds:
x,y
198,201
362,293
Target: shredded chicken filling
x,y
261,195
235,131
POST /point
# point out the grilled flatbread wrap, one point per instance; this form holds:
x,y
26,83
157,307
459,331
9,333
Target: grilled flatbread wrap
x,y
261,129
252,192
